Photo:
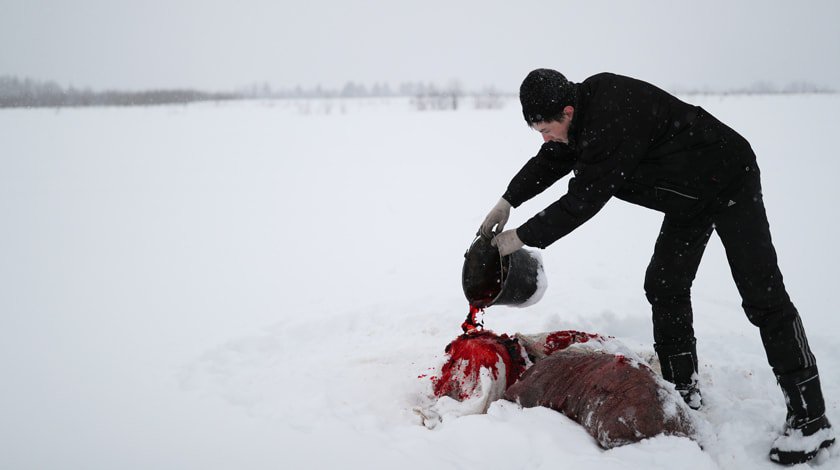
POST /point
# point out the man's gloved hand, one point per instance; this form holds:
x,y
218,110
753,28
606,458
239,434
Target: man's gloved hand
x,y
497,217
507,242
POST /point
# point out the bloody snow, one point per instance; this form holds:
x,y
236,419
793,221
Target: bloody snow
x,y
471,352
478,349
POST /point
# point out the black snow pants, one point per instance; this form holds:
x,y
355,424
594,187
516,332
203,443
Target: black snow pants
x,y
741,223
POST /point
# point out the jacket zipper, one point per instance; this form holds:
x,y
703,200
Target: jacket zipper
x,y
677,192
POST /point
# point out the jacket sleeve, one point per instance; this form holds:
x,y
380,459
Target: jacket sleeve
x,y
554,161
610,147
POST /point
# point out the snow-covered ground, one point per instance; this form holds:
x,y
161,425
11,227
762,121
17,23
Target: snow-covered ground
x,y
259,285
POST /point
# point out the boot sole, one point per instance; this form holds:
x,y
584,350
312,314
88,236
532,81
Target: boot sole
x,y
793,458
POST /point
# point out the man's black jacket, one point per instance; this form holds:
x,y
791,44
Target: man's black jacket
x,y
634,141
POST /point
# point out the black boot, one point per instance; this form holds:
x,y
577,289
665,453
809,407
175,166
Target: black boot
x,y
807,430
679,366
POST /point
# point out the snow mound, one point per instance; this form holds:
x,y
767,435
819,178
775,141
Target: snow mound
x,y
595,380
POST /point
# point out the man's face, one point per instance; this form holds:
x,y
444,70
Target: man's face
x,y
556,131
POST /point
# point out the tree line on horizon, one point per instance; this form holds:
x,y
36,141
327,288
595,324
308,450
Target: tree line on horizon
x,y
16,92
26,92
29,93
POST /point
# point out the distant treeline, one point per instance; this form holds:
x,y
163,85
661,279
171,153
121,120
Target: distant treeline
x,y
356,90
17,93
424,95
26,92
760,88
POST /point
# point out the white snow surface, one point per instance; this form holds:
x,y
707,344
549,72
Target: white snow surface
x,y
259,285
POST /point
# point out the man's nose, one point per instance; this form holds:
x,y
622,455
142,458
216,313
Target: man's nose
x,y
546,137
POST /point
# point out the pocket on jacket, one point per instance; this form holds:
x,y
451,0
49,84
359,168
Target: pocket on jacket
x,y
676,200
665,191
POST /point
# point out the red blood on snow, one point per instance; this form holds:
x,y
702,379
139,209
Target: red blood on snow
x,y
471,352
560,340
615,399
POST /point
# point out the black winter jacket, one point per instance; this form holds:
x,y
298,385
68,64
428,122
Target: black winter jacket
x,y
634,141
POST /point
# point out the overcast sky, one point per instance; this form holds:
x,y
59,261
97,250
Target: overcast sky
x,y
228,44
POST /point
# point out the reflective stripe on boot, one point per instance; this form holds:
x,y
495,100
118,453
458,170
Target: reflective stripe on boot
x,y
679,366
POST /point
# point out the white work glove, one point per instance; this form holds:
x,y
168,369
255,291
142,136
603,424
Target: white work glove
x,y
497,217
507,242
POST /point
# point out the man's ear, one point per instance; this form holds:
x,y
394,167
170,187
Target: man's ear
x,y
569,111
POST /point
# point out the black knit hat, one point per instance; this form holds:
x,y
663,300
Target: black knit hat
x,y
543,94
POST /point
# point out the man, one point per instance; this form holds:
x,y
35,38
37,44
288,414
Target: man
x,y
626,138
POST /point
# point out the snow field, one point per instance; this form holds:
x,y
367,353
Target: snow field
x,y
257,285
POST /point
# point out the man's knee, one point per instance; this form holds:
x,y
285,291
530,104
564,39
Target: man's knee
x,y
662,289
764,315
